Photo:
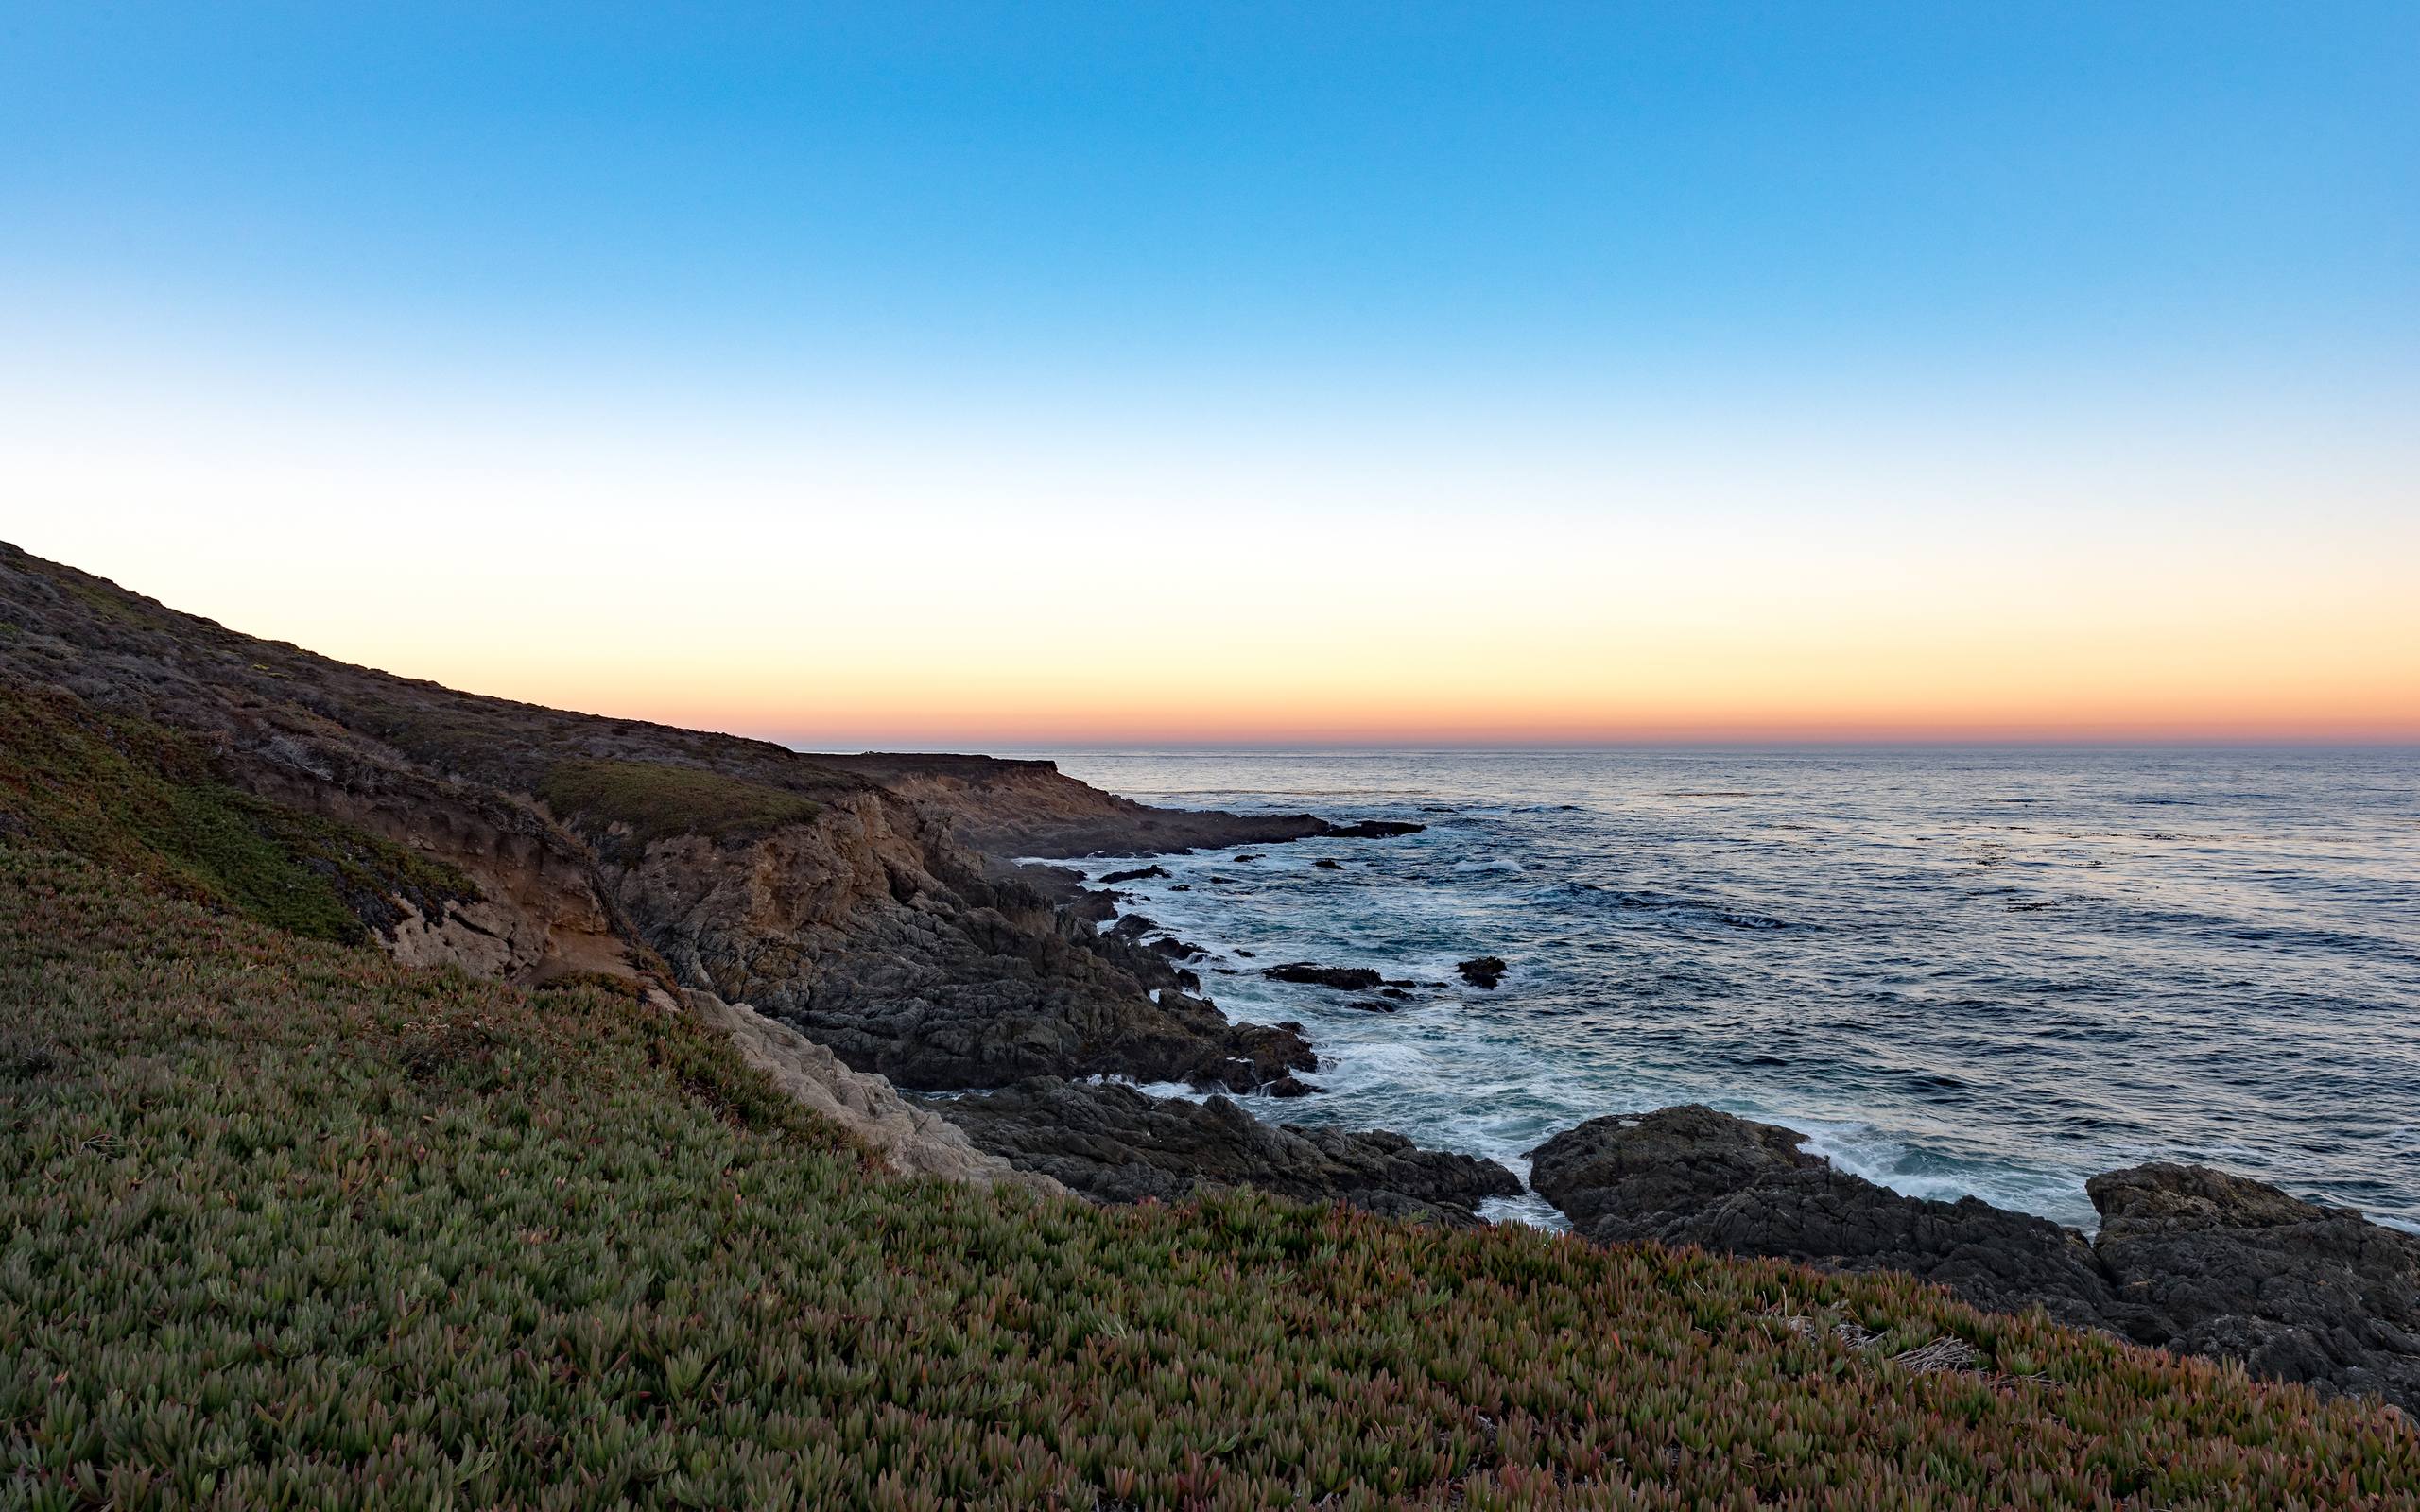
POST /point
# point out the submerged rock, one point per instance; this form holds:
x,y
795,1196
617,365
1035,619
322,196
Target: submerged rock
x,y
1373,829
1326,863
1485,971
1111,1143
1138,874
1342,978
2187,1258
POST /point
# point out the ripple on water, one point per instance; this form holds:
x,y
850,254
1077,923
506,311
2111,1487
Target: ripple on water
x,y
1868,946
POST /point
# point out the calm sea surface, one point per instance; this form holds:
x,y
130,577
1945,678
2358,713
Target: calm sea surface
x,y
1988,972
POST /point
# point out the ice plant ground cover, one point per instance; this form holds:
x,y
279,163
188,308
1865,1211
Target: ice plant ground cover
x,y
283,1223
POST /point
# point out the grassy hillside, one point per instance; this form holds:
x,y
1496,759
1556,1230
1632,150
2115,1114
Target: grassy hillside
x,y
286,1224
148,800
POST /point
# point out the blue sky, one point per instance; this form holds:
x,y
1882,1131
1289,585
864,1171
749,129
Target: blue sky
x,y
1542,190
1302,242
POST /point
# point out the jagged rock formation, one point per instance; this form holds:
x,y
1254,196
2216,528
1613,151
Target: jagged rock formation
x,y
2213,1263
1113,1144
2189,1258
1484,971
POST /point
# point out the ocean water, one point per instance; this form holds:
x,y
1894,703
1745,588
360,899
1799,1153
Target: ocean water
x,y
1993,971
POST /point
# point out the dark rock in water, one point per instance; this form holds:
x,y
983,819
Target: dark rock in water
x,y
1246,954
1394,993
2237,1268
2187,1258
1343,979
1058,884
1113,1144
1290,1086
1371,1005
1243,858
1175,949
1138,874
1182,887
1326,864
1691,1175
1093,908
1134,926
1486,971
1373,829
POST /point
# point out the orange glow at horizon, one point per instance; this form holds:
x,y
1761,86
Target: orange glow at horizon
x,y
1027,589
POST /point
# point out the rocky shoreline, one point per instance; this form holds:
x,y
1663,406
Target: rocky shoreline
x,y
2187,1258
870,904
859,925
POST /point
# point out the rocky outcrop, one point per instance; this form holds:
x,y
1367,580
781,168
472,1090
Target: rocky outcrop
x,y
910,1139
1113,1144
1030,808
2212,1263
1371,830
1691,1175
862,930
2187,1259
1484,971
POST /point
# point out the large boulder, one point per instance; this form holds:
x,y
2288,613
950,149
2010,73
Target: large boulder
x,y
1691,1175
2223,1265
1113,1144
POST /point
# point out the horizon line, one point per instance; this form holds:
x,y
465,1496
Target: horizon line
x,y
2211,743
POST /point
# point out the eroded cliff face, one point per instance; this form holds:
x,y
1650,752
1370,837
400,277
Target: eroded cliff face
x,y
540,910
869,931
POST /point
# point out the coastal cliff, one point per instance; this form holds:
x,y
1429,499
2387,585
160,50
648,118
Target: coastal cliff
x,y
864,901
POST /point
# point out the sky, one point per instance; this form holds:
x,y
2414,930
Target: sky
x,y
945,376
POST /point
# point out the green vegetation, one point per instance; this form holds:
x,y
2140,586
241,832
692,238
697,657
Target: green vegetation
x,y
283,1223
658,802
143,800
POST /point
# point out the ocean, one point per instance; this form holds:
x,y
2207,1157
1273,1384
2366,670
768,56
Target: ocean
x,y
1992,971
